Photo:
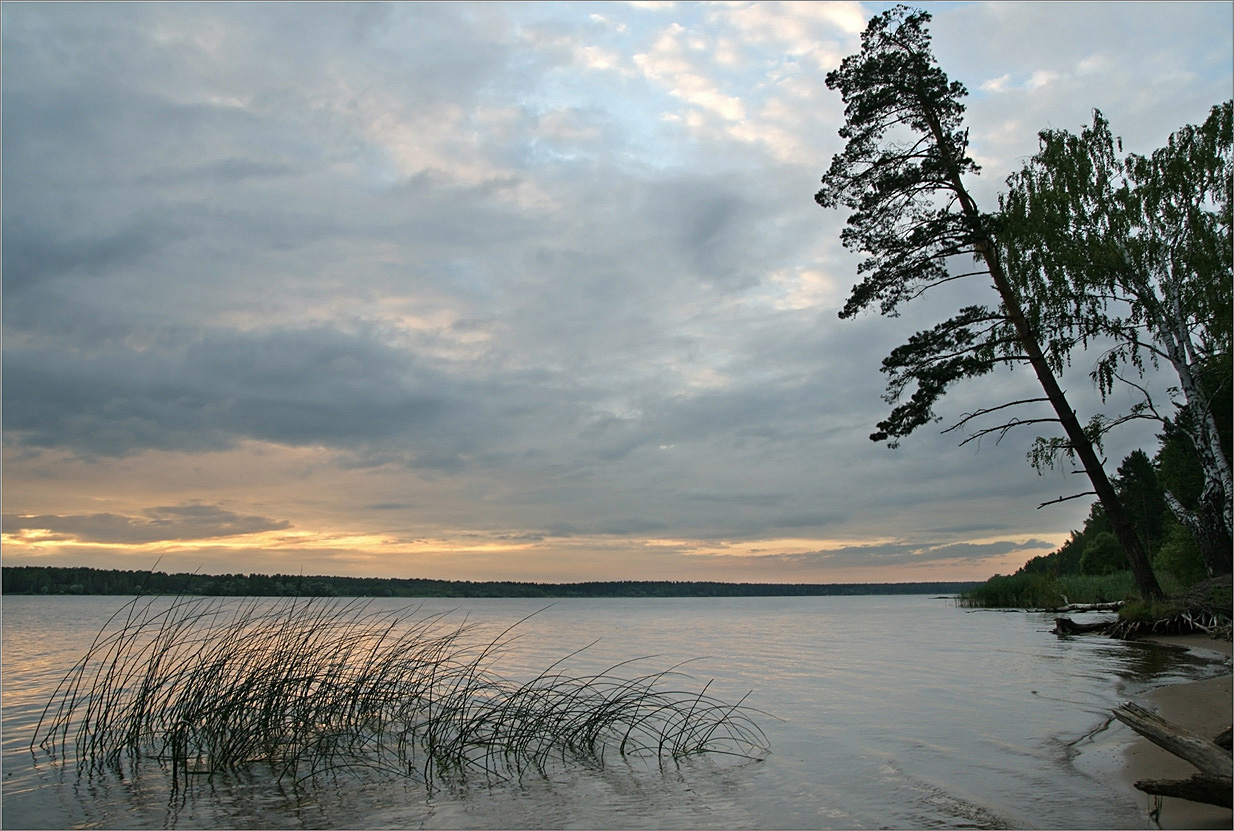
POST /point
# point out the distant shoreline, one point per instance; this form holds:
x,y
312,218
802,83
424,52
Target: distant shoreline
x,y
57,580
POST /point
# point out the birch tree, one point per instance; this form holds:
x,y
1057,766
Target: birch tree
x,y
902,175
1133,256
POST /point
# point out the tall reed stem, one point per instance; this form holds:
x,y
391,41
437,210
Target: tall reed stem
x,y
317,685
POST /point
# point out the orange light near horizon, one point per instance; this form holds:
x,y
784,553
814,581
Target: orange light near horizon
x,y
61,542
467,554
376,542
44,539
778,546
27,535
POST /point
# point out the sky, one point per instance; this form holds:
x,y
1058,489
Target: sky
x,y
529,291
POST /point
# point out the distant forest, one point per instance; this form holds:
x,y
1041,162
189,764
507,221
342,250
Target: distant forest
x,y
53,580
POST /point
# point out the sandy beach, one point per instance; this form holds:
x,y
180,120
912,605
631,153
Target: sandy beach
x,y
1204,707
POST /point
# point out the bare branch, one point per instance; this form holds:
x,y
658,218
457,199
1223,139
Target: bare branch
x,y
1065,498
1148,400
1135,416
970,416
948,279
1003,429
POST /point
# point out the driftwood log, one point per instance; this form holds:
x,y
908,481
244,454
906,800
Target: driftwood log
x,y
1084,607
1214,784
1067,626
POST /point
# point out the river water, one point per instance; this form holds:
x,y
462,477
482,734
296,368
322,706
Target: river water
x,y
880,712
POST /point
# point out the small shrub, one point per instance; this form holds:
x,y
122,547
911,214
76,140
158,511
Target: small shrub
x,y
1147,611
1180,556
1103,555
1204,607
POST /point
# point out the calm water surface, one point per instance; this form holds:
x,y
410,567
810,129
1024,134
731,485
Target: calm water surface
x,y
900,712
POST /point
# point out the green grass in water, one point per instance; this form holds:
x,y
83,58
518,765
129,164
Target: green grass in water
x,y
314,686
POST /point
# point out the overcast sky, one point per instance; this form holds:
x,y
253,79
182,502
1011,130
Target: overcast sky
x,y
532,291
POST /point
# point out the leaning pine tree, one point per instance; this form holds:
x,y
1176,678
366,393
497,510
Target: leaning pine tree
x,y
902,176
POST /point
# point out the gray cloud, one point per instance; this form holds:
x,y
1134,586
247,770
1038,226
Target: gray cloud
x,y
158,524
905,554
296,387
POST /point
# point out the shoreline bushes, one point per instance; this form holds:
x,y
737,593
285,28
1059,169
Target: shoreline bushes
x,y
1038,590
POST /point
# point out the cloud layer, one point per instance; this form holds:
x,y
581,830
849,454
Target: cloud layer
x,y
524,291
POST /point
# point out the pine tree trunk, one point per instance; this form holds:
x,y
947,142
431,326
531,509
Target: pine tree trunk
x,y
1120,524
1123,530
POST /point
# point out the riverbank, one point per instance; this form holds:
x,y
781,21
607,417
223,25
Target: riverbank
x,y
1204,707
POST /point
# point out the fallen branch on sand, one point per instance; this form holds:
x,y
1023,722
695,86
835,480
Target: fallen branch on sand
x,y
1214,784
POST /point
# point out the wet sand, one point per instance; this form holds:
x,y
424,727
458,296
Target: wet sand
x,y
1204,707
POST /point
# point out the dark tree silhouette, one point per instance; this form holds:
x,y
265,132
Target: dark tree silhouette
x,y
901,175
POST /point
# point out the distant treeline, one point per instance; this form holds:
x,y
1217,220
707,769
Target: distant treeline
x,y
54,580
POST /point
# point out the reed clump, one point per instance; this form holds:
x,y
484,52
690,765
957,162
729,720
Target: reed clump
x,y
314,686
1046,591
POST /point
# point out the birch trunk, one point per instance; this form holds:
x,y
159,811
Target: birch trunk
x,y
1212,524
